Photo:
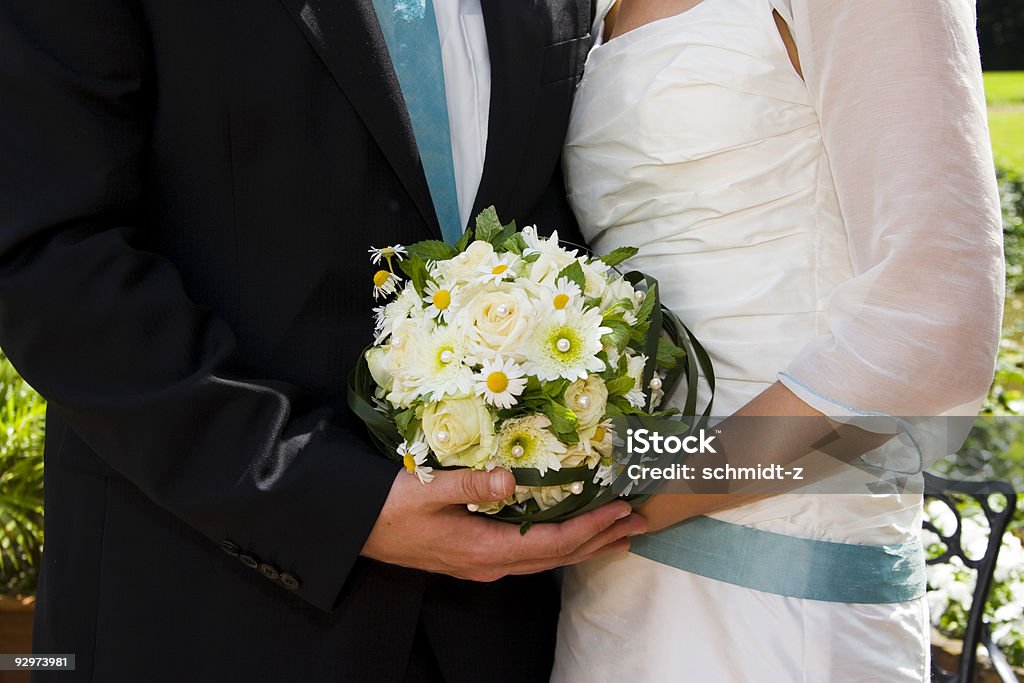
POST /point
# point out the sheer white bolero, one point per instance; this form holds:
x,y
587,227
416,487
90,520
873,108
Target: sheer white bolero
x,y
900,99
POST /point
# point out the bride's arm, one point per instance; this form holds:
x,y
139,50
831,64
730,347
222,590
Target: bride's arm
x,y
899,94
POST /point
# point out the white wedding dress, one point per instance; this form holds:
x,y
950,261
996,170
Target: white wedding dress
x,y
840,234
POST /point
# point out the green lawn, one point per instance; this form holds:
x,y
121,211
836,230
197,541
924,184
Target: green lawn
x,y
1004,91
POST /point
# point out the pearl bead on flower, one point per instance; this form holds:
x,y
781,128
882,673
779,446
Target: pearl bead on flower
x,y
518,451
503,310
473,507
447,356
583,401
639,296
442,436
656,383
576,487
563,345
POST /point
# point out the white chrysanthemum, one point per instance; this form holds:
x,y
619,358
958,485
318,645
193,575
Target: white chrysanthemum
x,y
406,304
499,381
566,348
387,253
635,367
595,277
551,258
440,297
497,268
563,297
442,364
385,283
414,457
526,442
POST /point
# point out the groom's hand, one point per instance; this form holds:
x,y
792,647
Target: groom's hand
x,y
428,527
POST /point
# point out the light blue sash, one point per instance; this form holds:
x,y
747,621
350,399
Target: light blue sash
x,y
410,31
787,565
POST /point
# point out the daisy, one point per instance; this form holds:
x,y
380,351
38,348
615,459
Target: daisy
x,y
384,283
387,253
500,381
414,457
526,442
566,348
565,295
439,298
497,268
442,365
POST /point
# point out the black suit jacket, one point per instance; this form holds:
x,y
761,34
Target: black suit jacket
x,y
188,190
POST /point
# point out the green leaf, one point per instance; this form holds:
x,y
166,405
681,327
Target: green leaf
x,y
432,250
515,244
617,256
668,353
416,270
620,333
554,389
464,240
574,273
620,386
499,239
563,421
487,224
647,307
404,421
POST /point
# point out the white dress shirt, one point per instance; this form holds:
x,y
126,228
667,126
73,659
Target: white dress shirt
x,y
467,83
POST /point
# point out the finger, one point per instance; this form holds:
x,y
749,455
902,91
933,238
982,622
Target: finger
x,y
553,541
626,527
618,546
459,487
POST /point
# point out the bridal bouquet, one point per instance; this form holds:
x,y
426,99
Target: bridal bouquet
x,y
511,350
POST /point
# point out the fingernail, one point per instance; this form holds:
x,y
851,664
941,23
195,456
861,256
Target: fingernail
x,y
626,512
498,483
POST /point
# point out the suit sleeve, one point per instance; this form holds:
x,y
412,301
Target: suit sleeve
x,y
151,381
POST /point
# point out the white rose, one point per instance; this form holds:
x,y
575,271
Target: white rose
x,y
409,335
497,321
377,360
579,454
587,398
545,269
460,431
465,266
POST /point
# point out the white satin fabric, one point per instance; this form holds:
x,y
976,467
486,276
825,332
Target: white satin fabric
x,y
843,231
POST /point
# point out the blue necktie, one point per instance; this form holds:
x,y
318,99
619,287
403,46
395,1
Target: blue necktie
x,y
410,30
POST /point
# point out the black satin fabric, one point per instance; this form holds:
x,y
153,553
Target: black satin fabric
x,y
188,191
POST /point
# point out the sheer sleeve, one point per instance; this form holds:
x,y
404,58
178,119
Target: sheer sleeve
x,y
899,94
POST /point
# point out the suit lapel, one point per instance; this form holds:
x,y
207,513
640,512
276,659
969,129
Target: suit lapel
x,y
515,41
347,37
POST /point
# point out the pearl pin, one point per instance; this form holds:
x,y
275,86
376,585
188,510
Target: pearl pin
x,y
442,436
563,345
656,383
503,310
576,487
583,401
518,451
473,507
639,296
447,356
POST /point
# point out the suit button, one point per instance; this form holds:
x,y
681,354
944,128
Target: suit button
x,y
230,548
249,561
269,571
290,581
